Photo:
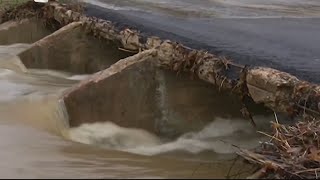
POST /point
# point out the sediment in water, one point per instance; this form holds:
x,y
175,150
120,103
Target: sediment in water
x,y
276,90
105,96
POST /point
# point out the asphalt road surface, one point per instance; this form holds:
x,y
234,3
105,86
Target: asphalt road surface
x,y
281,34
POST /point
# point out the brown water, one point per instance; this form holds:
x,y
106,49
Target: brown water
x,y
36,142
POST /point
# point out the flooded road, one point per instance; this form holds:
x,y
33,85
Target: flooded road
x,y
36,140
283,34
217,8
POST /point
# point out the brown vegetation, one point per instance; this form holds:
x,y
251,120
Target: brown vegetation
x,y
292,152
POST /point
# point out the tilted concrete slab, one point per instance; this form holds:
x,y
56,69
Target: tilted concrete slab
x,y
23,31
125,93
70,49
135,92
274,89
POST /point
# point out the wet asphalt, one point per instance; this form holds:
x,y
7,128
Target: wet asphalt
x,y
288,44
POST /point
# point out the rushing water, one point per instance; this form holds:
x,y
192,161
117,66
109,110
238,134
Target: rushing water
x,y
36,141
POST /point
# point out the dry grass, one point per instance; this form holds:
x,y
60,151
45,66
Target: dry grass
x,y
292,152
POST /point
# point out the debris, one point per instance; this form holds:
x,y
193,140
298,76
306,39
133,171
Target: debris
x,y
292,153
277,90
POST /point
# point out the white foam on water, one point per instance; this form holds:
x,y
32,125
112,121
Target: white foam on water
x,y
79,77
110,135
220,136
14,49
12,63
31,95
9,58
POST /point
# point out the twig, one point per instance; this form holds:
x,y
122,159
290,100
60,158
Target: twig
x,y
222,83
273,137
231,167
308,170
126,50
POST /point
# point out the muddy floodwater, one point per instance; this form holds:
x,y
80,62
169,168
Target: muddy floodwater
x,y
37,141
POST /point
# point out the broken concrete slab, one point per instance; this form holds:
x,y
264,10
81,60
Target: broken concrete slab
x,y
70,49
219,71
282,91
23,31
125,93
135,92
